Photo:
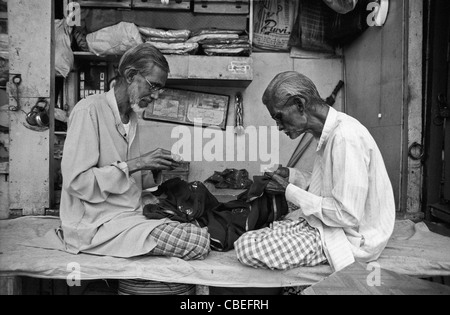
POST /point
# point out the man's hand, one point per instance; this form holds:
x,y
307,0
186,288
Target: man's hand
x,y
158,160
283,182
283,172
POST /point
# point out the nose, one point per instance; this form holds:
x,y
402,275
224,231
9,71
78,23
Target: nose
x,y
280,126
155,95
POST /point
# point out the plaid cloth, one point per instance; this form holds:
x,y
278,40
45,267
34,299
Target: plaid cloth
x,y
181,240
309,31
287,245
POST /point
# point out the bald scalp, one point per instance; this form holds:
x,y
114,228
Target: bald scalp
x,y
290,84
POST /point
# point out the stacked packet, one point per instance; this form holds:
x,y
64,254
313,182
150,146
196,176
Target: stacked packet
x,y
171,42
214,42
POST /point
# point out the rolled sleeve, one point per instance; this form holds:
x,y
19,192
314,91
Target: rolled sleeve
x,y
299,178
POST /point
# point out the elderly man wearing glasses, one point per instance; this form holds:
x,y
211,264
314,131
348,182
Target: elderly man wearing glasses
x,y
105,172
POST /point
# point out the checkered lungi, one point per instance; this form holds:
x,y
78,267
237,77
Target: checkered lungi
x,y
286,245
181,240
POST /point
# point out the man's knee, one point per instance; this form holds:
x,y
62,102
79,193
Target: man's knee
x,y
245,249
197,242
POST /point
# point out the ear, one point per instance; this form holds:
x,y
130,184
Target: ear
x,y
300,102
130,74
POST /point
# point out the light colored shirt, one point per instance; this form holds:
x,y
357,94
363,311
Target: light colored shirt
x,y
350,198
101,208
127,132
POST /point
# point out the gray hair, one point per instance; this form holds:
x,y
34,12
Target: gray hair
x,y
143,57
289,84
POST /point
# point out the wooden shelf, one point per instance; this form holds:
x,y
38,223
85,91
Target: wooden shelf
x,y
196,69
157,4
184,5
105,4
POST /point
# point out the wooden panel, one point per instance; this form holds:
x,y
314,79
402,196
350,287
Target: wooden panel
x,y
106,3
414,105
179,66
436,84
220,68
157,4
374,77
359,279
222,6
447,134
30,29
388,139
30,150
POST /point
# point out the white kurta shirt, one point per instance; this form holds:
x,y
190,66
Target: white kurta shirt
x,y
350,198
101,205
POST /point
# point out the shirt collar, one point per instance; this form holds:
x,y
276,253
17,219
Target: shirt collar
x,y
112,103
329,126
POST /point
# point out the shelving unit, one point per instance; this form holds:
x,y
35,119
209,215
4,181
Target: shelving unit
x,y
186,70
197,70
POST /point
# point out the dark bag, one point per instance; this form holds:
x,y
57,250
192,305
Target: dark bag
x,y
309,31
345,28
184,202
194,203
231,179
267,203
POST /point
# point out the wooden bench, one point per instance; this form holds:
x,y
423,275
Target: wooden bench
x,y
413,251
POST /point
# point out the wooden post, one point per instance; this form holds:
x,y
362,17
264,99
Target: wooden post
x,y
31,33
413,100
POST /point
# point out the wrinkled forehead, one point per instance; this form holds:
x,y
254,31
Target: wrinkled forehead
x,y
156,74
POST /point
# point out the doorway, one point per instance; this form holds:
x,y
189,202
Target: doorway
x,y
437,113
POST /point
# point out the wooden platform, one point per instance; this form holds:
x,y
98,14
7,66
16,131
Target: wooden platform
x,y
359,279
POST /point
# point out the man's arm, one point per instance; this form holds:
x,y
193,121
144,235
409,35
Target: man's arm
x,y
299,178
345,206
82,178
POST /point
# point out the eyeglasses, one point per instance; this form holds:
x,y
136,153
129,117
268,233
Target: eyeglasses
x,y
278,117
154,87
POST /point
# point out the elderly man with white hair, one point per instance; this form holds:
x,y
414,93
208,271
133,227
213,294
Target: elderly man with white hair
x,y
104,171
346,210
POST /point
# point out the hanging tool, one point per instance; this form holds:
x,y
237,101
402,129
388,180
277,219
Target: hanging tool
x,y
17,81
239,124
331,100
301,149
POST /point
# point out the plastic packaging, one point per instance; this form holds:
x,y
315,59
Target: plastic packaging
x,y
274,20
154,32
114,40
64,58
